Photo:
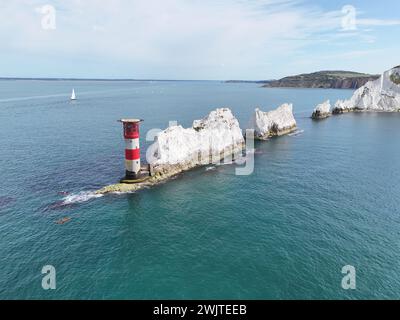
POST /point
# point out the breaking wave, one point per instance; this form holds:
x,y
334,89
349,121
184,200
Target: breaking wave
x,y
80,197
296,133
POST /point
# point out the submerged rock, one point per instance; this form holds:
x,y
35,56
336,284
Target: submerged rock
x,y
176,149
63,220
322,110
274,123
5,201
382,95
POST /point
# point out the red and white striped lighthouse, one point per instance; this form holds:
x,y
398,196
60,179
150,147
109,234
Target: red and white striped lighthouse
x,y
132,148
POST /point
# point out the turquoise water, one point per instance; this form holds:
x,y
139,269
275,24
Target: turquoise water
x,y
316,201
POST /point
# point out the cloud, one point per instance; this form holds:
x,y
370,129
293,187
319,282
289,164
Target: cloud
x,y
378,22
174,38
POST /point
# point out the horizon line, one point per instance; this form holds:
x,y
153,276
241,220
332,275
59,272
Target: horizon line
x,y
131,79
99,79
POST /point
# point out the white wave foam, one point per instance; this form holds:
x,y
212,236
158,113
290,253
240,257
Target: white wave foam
x,y
32,98
80,197
210,168
296,133
60,95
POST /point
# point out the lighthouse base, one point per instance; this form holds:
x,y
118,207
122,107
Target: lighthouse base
x,y
132,177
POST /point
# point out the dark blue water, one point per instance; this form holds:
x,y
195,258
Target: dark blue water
x,y
317,201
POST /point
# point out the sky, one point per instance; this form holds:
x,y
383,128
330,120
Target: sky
x,y
196,39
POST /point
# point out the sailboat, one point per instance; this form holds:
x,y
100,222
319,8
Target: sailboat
x,y
73,97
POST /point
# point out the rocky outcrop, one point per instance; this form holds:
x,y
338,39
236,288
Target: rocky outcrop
x,y
177,149
273,123
322,111
381,95
342,106
151,181
210,140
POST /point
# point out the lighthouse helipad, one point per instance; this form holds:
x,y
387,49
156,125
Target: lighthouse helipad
x,y
133,173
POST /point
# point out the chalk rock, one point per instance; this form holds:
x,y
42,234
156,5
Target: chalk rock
x,y
209,140
273,123
322,110
382,95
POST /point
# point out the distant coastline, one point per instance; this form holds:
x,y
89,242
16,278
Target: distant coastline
x,y
320,79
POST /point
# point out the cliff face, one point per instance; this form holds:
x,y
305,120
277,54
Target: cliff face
x,y
323,79
273,123
208,141
382,94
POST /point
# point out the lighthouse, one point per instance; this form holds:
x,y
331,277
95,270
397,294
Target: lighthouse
x,y
132,151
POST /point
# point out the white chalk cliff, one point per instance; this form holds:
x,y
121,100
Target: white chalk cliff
x,y
208,141
273,123
322,110
382,94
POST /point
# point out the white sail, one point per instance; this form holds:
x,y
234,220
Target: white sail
x,y
73,97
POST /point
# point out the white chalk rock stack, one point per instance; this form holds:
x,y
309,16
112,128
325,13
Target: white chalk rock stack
x,y
382,95
322,110
343,106
273,123
209,140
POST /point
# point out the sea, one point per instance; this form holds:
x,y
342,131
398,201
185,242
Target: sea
x,y
317,203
